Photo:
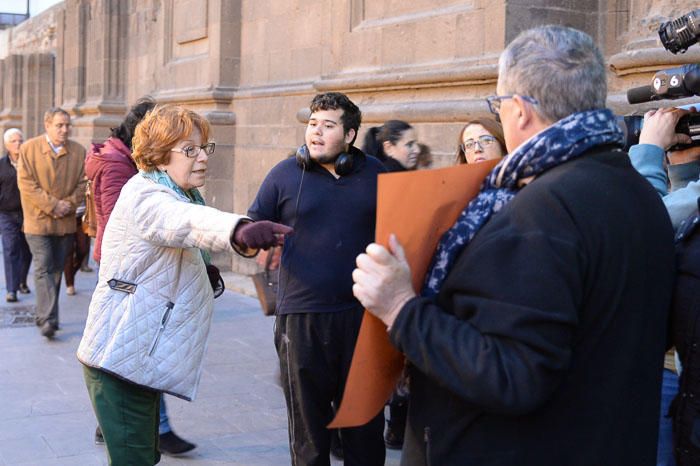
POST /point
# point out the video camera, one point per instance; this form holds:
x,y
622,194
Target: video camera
x,y
675,83
631,126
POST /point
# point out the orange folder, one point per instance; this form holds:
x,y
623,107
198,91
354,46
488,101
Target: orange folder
x,y
418,207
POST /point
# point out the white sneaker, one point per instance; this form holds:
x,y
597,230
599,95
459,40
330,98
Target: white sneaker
x,y
70,291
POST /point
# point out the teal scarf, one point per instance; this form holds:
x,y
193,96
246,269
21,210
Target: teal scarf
x,y
192,196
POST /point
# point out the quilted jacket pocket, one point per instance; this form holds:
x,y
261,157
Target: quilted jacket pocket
x,y
161,327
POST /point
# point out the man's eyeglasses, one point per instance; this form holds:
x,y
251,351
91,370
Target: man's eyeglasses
x,y
484,141
193,151
494,101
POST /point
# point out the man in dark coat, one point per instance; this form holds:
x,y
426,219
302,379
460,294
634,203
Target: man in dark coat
x,y
539,334
328,193
15,250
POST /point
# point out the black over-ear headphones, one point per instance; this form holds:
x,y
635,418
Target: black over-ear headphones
x,y
343,163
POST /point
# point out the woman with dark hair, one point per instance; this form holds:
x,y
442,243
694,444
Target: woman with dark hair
x,y
109,166
479,140
394,143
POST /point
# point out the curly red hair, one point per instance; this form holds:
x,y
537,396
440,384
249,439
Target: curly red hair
x,y
160,131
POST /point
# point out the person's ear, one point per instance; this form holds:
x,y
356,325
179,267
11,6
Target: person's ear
x,y
523,112
387,147
350,136
528,118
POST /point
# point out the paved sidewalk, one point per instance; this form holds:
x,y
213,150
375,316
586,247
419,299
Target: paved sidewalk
x,y
238,418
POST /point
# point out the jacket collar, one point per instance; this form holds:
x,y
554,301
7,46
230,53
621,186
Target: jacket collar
x,y
48,150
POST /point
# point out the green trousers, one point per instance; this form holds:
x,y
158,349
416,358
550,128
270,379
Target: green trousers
x,y
128,416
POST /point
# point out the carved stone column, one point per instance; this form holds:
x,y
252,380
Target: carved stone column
x,y
38,91
104,52
72,35
11,93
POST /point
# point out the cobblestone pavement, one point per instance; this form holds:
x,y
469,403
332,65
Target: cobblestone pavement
x,y
238,418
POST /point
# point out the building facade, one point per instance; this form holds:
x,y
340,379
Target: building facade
x,y
252,66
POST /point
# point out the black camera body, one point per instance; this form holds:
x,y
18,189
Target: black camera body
x,y
631,126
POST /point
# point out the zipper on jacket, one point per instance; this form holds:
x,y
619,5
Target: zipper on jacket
x,y
426,439
161,328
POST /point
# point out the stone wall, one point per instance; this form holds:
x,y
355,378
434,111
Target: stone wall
x,y
252,66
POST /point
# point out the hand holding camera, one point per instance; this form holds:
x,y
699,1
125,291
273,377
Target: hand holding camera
x,y
659,128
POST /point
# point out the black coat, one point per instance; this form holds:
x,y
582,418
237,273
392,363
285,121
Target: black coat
x,y
393,165
685,333
9,193
546,343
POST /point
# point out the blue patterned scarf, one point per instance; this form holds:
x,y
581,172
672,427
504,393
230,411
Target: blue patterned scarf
x,y
192,195
565,140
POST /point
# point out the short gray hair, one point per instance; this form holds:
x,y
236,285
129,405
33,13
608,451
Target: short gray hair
x,y
9,133
49,114
559,66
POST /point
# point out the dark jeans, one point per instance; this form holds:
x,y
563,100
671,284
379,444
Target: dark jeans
x,y
315,351
15,250
78,249
669,389
48,252
398,410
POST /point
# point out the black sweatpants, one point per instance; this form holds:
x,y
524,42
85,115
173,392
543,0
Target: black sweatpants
x,y
315,351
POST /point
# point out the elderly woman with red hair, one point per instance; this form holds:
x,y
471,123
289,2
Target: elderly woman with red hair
x,y
149,318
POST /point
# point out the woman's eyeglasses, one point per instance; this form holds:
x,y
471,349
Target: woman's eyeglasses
x,y
193,151
484,141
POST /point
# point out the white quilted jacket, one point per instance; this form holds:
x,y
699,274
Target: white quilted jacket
x,y
151,234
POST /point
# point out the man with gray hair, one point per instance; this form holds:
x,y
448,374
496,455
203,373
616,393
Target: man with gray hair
x,y
15,251
538,336
51,180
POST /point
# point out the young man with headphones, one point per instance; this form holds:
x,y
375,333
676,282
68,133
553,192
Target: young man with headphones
x,y
328,194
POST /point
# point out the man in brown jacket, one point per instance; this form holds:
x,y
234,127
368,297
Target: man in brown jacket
x,y
51,180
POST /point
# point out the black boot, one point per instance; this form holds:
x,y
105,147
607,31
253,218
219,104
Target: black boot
x,y
99,439
171,444
395,426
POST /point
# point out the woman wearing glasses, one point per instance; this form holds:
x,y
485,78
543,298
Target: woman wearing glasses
x,y
109,166
479,140
150,314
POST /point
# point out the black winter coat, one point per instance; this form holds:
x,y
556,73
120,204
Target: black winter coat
x,y
545,345
685,333
9,193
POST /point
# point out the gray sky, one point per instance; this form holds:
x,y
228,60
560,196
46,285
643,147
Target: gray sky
x,y
20,6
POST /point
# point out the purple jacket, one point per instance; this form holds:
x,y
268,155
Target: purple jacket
x,y
108,166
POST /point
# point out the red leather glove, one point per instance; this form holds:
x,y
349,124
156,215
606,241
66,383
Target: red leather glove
x,y
261,235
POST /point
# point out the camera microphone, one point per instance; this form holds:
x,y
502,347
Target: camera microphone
x,y
674,83
679,34
638,95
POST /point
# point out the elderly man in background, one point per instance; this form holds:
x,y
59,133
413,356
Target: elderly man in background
x,y
51,180
15,251
539,335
